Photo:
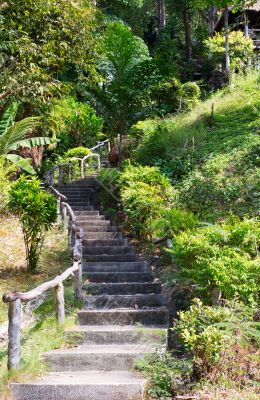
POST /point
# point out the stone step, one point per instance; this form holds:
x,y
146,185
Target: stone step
x,y
80,385
101,250
127,316
85,218
102,235
123,301
103,242
96,357
72,197
111,258
98,228
95,222
82,208
138,266
119,276
116,334
83,214
122,288
78,203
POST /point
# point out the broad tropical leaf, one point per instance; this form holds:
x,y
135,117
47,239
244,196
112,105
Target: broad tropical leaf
x,y
20,162
31,142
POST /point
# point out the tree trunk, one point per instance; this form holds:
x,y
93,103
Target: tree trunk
x,y
187,30
246,24
212,20
161,14
228,70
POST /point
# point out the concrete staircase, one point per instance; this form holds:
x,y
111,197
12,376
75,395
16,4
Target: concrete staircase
x,y
123,317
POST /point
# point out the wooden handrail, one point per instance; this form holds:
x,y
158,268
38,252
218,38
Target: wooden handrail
x,y
14,299
36,292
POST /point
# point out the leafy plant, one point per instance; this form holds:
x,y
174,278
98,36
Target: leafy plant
x,y
37,212
14,135
173,221
6,171
78,152
222,257
241,48
73,122
142,204
216,335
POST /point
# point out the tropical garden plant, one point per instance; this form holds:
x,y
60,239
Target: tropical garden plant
x,y
15,135
37,212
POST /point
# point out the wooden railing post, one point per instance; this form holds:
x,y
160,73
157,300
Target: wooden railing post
x,y
14,333
78,281
69,172
60,175
59,303
82,168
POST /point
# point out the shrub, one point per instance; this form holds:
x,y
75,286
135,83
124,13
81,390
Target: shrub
x,y
37,211
216,335
78,152
6,169
149,175
241,48
189,95
142,204
173,221
222,257
74,123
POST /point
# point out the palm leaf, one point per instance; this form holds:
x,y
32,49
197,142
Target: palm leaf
x,y
8,118
21,162
19,131
31,142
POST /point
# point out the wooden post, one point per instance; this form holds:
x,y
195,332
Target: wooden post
x,y
78,281
14,333
60,175
69,172
59,303
52,177
82,169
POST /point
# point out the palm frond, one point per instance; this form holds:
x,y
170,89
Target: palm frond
x,y
19,131
8,118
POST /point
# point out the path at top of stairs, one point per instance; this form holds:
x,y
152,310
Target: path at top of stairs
x,y
123,318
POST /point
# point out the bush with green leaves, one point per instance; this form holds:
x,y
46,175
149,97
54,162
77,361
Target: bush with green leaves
x,y
78,152
223,257
171,95
6,171
141,203
37,212
216,335
241,49
74,123
189,95
173,221
148,175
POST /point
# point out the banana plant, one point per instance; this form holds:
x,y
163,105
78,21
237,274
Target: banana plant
x,y
14,135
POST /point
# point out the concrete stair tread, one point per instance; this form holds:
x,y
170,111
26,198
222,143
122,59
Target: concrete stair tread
x,y
126,310
104,349
118,328
121,277
87,378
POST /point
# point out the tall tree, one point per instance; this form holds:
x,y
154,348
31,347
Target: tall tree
x,y
161,14
43,43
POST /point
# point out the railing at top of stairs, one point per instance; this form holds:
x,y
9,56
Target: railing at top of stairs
x,y
55,176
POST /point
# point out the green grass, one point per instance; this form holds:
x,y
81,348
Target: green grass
x,y
211,160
